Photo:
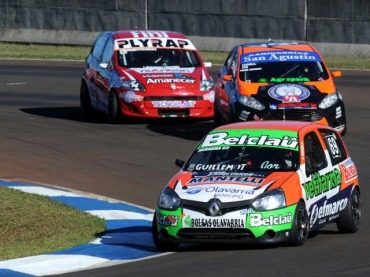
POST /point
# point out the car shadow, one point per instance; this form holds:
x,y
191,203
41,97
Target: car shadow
x,y
186,129
189,129
67,113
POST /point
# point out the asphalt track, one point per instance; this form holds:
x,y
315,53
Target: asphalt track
x,y
45,138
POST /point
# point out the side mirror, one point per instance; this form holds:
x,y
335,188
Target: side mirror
x,y
227,77
336,74
207,64
103,65
179,163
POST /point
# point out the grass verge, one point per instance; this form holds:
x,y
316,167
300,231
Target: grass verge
x,y
61,52
33,224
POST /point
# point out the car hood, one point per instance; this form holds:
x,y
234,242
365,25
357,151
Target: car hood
x,y
171,78
228,187
289,95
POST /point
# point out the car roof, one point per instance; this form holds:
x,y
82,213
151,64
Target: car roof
x,y
146,34
273,46
289,125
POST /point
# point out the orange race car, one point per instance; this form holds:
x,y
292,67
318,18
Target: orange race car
x,y
146,74
267,181
278,81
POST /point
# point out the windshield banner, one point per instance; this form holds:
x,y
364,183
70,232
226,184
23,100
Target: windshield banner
x,y
280,56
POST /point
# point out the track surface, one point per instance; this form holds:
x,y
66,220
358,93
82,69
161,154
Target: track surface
x,y
45,138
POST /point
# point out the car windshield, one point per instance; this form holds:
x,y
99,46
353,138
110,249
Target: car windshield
x,y
278,72
243,159
153,57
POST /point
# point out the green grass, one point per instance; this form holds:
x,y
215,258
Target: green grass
x,y
31,224
61,52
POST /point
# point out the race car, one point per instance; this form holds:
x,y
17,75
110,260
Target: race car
x,y
278,81
146,74
260,182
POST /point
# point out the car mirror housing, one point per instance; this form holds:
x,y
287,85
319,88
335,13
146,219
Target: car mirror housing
x,y
336,74
179,163
227,77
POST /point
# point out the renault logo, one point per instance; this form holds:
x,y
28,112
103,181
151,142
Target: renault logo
x,y
214,209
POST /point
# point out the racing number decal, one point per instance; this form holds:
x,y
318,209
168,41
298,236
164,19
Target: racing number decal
x,y
334,149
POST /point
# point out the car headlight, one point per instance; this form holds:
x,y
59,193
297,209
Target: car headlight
x,y
270,200
206,85
328,101
251,102
169,200
133,85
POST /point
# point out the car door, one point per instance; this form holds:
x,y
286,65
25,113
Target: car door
x,y
104,75
226,88
322,180
95,82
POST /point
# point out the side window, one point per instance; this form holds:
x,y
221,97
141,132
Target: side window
x,y
99,46
230,61
334,143
108,51
314,154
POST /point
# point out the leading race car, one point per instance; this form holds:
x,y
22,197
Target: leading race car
x,y
267,181
151,74
278,81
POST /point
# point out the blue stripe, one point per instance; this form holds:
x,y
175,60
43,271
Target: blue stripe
x,y
86,204
11,273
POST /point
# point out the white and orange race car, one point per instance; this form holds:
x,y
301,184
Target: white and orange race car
x,y
278,81
267,181
146,74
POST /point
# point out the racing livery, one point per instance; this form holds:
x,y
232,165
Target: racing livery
x,y
278,81
268,181
146,73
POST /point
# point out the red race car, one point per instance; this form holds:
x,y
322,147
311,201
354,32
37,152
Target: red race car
x,y
144,73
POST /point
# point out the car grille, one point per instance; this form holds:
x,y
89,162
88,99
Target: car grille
x,y
214,233
203,207
301,115
174,112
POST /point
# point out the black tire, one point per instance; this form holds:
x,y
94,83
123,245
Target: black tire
x,y
114,112
162,245
85,101
349,219
217,117
300,228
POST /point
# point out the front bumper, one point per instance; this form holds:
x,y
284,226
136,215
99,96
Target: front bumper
x,y
242,226
134,104
334,116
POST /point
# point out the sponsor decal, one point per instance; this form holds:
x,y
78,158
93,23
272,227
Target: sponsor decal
x,y
349,169
297,105
163,69
289,80
168,220
219,167
289,93
280,56
210,96
338,112
257,220
170,80
326,210
163,75
220,192
221,139
248,180
150,34
174,104
130,96
154,43
217,223
320,184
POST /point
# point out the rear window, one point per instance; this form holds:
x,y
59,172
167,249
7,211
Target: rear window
x,y
152,57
